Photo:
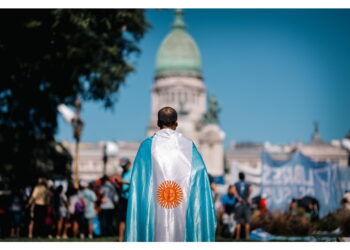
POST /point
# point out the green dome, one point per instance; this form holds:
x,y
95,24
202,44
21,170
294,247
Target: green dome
x,y
178,53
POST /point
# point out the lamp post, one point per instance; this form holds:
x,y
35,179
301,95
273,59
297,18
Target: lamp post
x,y
105,159
78,125
110,149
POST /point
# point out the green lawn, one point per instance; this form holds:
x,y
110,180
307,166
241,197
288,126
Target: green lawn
x,y
115,239
100,239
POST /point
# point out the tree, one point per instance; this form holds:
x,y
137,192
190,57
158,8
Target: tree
x,y
49,57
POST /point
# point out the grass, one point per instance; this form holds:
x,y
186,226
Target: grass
x,y
98,239
115,239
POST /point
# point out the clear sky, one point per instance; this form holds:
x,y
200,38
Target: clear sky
x,y
274,73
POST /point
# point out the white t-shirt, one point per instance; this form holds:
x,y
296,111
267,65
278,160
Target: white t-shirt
x,y
109,196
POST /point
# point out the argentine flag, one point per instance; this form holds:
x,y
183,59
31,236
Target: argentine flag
x,y
170,197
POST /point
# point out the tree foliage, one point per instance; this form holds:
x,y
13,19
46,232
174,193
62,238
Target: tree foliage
x,y
49,57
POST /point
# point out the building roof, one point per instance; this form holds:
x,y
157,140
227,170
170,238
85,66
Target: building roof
x,y
244,149
178,53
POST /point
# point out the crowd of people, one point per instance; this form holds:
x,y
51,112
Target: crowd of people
x,y
46,210
236,210
99,208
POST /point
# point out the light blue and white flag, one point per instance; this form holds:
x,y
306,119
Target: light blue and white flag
x,y
170,197
301,176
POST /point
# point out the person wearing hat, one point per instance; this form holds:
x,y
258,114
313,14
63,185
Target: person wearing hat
x,y
124,181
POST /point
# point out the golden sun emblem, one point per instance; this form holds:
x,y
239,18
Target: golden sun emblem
x,y
169,194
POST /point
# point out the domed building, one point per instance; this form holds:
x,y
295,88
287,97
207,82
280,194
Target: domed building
x,y
178,53
179,84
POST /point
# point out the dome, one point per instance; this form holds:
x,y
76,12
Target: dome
x,y
178,53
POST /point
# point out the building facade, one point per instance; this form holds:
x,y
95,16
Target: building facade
x,y
246,157
179,84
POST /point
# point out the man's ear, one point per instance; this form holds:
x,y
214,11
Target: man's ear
x,y
176,124
158,123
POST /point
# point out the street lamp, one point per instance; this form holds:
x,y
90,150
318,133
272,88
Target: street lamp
x,y
77,125
105,159
110,149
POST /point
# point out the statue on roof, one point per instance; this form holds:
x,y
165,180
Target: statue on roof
x,y
316,127
316,138
182,110
212,114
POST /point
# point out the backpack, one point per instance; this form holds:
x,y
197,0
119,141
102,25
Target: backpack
x,y
79,206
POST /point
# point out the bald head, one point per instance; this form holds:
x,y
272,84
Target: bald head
x,y
167,118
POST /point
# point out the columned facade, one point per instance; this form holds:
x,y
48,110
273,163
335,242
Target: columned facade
x,y
179,84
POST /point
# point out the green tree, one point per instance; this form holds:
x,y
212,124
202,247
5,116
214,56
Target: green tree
x,y
49,57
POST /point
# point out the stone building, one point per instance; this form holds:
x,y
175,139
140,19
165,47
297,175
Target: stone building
x,y
91,165
179,84
246,156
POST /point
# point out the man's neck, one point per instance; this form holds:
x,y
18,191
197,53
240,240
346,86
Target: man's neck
x,y
172,128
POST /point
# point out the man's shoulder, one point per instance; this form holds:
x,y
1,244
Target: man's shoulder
x,y
183,137
146,141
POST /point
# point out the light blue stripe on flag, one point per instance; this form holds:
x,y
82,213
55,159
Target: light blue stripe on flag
x,y
200,218
140,216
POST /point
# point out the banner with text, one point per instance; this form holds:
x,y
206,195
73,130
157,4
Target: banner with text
x,y
300,176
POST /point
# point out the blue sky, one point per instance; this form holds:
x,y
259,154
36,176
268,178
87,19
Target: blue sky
x,y
274,73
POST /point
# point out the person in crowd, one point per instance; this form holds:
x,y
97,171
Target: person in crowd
x,y
242,190
39,200
263,208
228,202
50,219
124,181
293,207
76,212
216,196
212,186
28,218
309,207
61,211
16,212
89,197
345,202
169,198
3,213
312,212
109,199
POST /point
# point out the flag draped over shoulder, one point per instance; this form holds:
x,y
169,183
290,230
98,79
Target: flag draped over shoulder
x,y
170,197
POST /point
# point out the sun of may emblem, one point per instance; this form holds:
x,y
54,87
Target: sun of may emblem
x,y
169,194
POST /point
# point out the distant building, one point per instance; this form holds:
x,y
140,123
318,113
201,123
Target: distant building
x,y
179,84
246,156
91,158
